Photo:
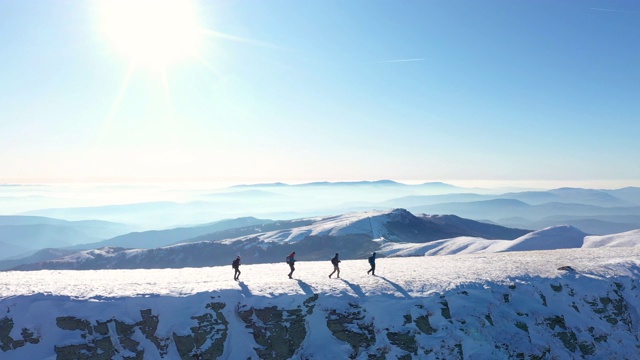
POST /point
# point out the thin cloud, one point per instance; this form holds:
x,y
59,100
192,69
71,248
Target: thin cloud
x,y
611,10
239,39
397,61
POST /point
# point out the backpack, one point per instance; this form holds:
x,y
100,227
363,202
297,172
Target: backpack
x,y
288,260
235,263
371,260
334,261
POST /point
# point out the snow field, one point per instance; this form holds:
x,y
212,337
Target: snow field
x,y
461,295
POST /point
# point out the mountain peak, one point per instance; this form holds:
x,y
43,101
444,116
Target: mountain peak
x,y
554,237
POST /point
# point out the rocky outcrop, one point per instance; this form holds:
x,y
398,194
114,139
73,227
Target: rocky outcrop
x,y
106,339
277,332
7,343
117,338
207,337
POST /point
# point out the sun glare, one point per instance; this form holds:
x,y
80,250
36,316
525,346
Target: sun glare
x,y
151,33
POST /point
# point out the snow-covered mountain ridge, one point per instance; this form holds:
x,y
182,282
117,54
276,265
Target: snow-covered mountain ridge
x,y
373,224
390,232
353,235
479,306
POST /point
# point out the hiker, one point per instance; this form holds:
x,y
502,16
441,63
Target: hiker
x,y
335,263
291,260
236,266
372,262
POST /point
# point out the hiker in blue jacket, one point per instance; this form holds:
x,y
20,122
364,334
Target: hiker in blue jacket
x,y
372,262
291,260
335,261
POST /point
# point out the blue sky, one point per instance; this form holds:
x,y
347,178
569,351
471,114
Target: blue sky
x,y
297,91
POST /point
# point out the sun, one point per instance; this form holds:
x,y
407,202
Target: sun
x,y
151,33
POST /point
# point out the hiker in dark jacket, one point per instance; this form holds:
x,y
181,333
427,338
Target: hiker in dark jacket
x,y
291,260
335,263
372,262
236,266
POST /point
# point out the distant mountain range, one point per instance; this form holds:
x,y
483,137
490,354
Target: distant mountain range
x,y
354,235
595,211
594,219
35,257
395,232
162,223
23,234
277,200
157,238
379,183
591,224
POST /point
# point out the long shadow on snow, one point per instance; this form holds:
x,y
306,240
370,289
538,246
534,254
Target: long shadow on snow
x,y
397,287
305,287
356,289
244,289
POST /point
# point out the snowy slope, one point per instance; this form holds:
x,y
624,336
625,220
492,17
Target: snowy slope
x,y
555,237
629,238
477,306
459,245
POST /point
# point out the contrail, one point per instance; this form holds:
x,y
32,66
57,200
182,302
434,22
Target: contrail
x,y
395,61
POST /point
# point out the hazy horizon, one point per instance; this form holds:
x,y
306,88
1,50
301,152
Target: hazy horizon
x,y
216,184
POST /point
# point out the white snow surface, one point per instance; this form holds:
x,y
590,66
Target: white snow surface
x,y
37,298
551,238
418,276
625,239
